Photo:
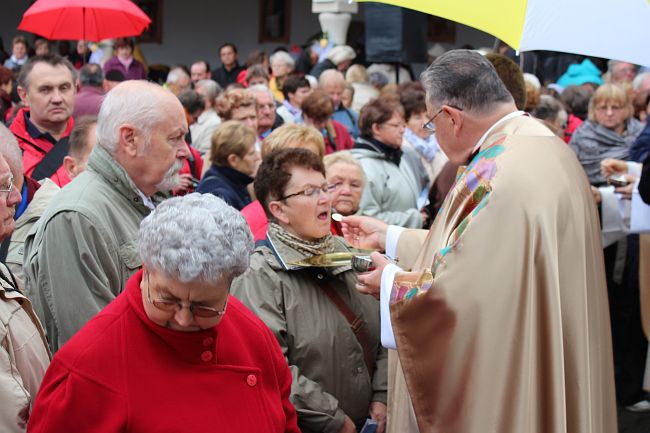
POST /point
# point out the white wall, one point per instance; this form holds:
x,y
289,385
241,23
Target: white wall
x,y
194,29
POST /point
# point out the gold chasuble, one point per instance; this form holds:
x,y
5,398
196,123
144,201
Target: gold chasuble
x,y
502,326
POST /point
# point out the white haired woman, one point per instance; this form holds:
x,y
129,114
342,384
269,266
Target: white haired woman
x,y
174,352
328,331
345,172
282,65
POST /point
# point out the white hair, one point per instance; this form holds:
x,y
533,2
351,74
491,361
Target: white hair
x,y
9,149
283,57
533,80
212,88
197,237
340,54
132,102
262,89
639,79
331,76
176,74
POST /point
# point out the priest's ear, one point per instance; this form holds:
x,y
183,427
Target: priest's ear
x,y
456,118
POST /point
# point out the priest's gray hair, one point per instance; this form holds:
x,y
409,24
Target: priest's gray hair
x,y
464,79
197,237
131,102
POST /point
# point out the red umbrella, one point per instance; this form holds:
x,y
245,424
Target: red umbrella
x,y
90,20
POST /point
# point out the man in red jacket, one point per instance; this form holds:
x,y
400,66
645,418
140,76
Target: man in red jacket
x,y
46,85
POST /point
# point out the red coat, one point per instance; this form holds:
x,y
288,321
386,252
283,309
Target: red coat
x,y
340,135
195,169
123,373
34,149
256,218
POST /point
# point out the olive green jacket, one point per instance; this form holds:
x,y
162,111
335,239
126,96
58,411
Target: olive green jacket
x,y
84,247
330,377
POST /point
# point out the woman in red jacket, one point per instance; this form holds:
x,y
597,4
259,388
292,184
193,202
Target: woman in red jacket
x,y
174,352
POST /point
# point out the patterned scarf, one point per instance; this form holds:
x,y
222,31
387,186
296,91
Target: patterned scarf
x,y
321,246
428,148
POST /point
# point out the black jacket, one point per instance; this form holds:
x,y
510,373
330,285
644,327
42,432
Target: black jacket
x,y
227,184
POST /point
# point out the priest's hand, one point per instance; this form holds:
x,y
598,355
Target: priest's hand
x,y
378,413
364,232
626,191
370,282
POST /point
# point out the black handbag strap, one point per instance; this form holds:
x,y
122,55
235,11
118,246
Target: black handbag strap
x,y
52,160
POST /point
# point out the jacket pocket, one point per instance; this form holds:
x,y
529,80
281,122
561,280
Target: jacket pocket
x,y
128,252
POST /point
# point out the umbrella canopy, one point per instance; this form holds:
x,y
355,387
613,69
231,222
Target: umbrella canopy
x,y
601,28
91,20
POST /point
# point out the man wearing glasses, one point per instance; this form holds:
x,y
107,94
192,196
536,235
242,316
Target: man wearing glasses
x,y
501,324
24,356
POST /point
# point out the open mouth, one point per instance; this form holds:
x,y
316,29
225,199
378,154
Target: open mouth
x,y
324,216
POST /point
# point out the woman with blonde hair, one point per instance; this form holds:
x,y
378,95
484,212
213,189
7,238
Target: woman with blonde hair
x,y
608,132
234,161
287,136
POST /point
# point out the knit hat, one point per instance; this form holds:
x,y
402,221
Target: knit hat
x,y
585,72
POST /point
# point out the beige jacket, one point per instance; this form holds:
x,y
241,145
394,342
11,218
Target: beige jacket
x,y
24,356
512,333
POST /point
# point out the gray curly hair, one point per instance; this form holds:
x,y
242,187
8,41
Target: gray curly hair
x,y
195,238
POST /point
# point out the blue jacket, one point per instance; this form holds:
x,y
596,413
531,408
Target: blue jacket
x,y
639,149
227,184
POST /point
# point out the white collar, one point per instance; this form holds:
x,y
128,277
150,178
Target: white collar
x,y
146,200
497,123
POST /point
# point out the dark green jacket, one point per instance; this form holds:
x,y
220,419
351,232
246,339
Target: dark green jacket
x,y
83,249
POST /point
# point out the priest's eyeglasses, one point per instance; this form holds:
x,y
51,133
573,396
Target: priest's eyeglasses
x,y
429,126
172,306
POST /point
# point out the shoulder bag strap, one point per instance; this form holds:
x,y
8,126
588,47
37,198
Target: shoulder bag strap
x,y
357,324
52,160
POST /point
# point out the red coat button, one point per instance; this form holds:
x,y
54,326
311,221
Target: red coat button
x,y
251,380
206,356
208,341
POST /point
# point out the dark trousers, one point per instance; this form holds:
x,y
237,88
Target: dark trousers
x,y
629,342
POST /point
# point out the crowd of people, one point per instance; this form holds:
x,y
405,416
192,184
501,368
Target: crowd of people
x,y
159,229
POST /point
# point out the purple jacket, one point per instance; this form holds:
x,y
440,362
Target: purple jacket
x,y
135,72
88,101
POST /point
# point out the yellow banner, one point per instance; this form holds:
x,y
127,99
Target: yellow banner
x,y
501,18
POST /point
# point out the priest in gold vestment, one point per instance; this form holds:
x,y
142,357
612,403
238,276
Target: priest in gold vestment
x,y
499,313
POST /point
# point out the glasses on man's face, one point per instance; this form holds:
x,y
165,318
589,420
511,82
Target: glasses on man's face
x,y
8,186
171,306
313,191
429,126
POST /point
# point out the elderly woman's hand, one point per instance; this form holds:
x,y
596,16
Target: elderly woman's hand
x,y
378,412
612,166
348,426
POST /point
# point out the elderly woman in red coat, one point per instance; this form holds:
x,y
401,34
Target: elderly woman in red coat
x,y
174,352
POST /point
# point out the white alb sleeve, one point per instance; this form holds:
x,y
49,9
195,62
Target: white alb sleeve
x,y
387,278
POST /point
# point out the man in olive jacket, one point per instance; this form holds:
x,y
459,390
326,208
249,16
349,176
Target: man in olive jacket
x,y
83,249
